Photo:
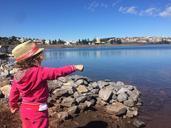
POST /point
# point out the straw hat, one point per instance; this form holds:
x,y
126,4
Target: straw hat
x,y
25,50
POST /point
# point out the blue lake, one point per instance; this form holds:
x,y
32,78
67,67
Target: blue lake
x,y
147,65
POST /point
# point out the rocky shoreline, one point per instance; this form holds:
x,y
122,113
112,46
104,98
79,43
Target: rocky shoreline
x,y
72,96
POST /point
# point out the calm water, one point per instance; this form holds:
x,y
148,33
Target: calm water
x,y
147,67
139,65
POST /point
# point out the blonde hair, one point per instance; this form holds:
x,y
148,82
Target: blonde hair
x,y
30,62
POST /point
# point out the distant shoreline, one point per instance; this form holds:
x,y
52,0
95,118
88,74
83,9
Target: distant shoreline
x,y
88,46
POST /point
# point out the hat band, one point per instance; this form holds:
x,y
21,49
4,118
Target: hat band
x,y
28,54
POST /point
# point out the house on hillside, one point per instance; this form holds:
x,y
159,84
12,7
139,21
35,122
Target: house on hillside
x,y
98,41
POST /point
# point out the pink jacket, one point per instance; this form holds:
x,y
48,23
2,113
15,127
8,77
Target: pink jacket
x,y
32,86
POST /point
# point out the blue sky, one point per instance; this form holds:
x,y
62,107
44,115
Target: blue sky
x,y
79,19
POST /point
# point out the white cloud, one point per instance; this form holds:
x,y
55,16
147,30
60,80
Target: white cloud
x,y
130,10
149,12
95,4
166,12
146,12
115,3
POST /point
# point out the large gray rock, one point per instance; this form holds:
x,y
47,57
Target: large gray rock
x,y
90,103
102,84
81,99
122,97
117,108
95,85
129,102
79,82
119,83
63,79
60,92
105,94
68,101
121,112
123,90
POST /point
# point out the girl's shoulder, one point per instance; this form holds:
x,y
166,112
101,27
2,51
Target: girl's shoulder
x,y
20,74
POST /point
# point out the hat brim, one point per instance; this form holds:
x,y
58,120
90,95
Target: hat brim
x,y
38,51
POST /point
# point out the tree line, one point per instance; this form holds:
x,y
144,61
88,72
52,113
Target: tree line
x,y
13,40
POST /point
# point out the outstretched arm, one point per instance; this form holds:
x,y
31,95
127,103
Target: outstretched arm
x,y
54,73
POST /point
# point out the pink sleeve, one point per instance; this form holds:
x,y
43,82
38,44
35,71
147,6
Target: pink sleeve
x,y
14,95
54,73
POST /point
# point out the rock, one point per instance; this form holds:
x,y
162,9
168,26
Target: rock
x,y
63,115
90,88
130,87
81,99
117,108
77,77
76,95
138,123
122,97
107,80
6,90
131,114
102,103
82,89
68,101
86,82
60,92
82,107
79,82
129,102
102,84
121,112
95,91
70,91
134,96
69,84
119,83
63,79
122,90
105,94
72,110
94,85
114,97
139,103
90,103
52,85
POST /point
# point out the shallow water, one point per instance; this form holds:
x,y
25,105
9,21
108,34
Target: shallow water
x,y
148,67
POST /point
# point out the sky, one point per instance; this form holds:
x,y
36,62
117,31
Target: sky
x,y
83,19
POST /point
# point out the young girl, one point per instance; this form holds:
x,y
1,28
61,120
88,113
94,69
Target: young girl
x,y
30,83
